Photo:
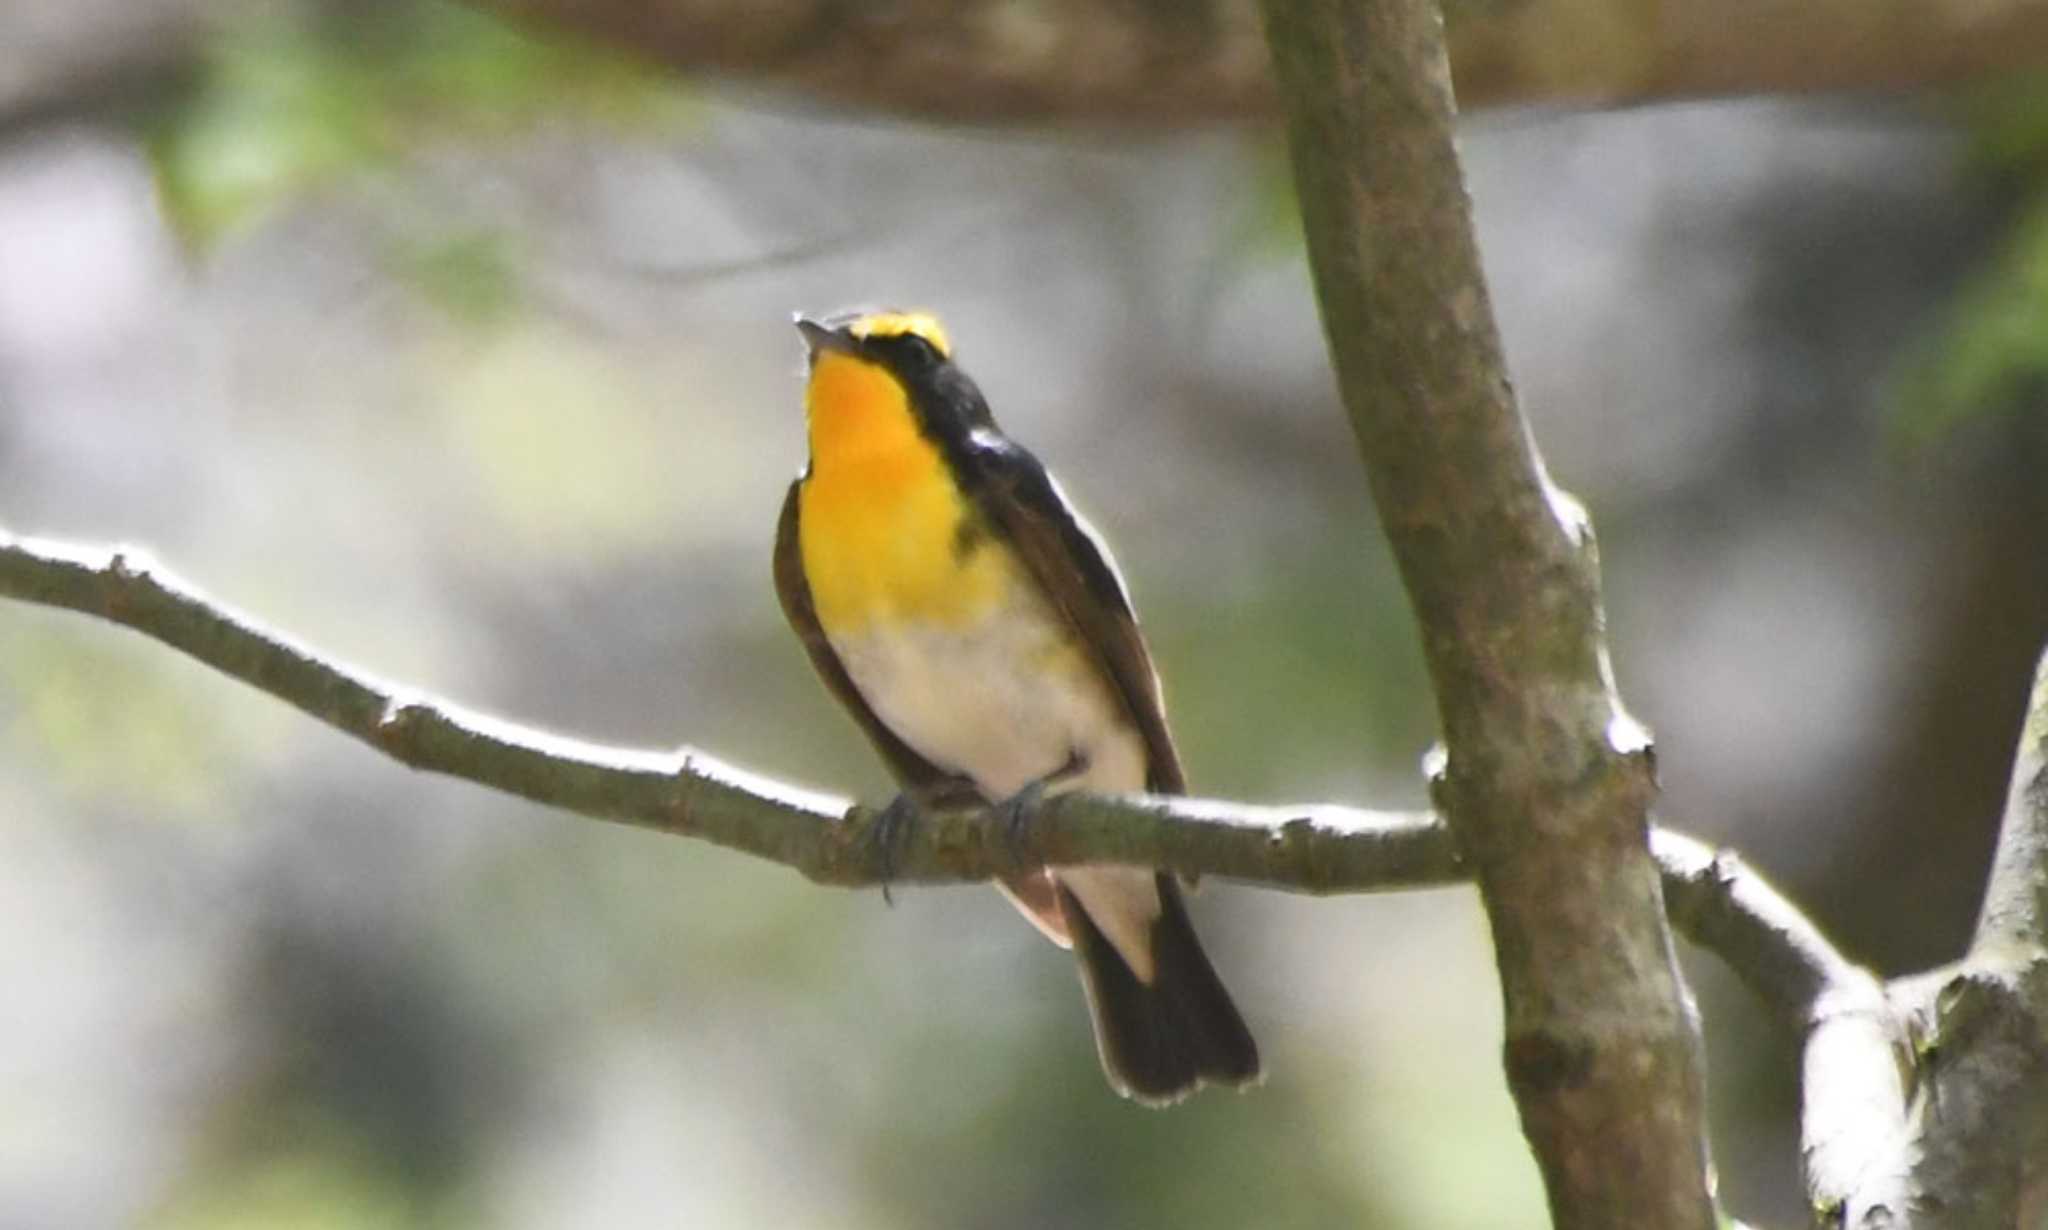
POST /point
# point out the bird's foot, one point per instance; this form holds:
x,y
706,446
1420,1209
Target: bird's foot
x,y
897,823
1015,813
892,828
1017,810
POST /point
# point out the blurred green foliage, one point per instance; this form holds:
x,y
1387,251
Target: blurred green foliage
x,y
1263,231
316,1181
58,695
472,276
1989,353
1268,225
562,446
1320,659
2007,121
293,99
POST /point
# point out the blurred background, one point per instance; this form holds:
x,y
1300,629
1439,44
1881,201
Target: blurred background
x,y
463,354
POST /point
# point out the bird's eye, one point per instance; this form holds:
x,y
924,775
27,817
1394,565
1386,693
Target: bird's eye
x,y
919,352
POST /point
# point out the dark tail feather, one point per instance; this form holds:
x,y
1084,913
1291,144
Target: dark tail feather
x,y
1161,1042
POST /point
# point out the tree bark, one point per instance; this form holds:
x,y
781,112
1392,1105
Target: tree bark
x,y
1204,61
1547,781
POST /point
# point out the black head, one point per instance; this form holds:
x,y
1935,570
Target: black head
x,y
912,347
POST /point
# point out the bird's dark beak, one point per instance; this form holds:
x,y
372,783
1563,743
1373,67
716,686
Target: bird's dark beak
x,y
820,338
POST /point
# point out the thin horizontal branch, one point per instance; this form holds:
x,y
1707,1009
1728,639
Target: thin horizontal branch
x,y
1312,848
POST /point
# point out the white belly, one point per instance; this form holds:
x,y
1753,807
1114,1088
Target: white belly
x,y
1004,701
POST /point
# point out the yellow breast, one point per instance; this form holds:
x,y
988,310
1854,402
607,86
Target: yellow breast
x,y
881,517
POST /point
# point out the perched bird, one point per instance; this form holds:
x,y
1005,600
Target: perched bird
x,y
974,626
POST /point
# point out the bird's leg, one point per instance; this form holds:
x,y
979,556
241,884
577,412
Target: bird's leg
x,y
1016,811
893,826
895,823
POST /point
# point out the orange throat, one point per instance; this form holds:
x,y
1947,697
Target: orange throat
x,y
881,513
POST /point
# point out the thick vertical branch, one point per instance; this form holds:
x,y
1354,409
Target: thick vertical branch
x,y
2015,913
1547,784
1960,1140
1979,1154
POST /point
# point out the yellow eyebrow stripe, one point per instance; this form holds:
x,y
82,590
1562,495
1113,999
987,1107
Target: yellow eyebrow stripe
x,y
898,324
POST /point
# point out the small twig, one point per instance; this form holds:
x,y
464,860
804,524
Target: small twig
x,y
1719,903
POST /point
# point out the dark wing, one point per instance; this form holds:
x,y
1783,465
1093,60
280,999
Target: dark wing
x,y
913,772
1072,566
